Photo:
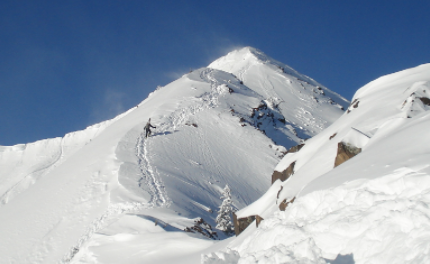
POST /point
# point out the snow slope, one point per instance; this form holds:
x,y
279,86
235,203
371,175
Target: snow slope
x,y
373,208
105,194
307,106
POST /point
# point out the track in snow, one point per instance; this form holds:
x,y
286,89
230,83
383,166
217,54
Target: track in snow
x,y
150,178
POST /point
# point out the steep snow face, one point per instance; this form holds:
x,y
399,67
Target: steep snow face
x,y
75,198
373,208
377,110
22,165
307,106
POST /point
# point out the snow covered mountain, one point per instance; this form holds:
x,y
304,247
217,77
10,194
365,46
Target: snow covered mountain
x,y
358,192
108,195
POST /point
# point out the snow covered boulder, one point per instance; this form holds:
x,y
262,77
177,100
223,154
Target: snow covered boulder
x,y
350,146
345,151
418,100
241,224
285,174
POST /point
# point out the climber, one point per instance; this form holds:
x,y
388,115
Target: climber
x,y
147,128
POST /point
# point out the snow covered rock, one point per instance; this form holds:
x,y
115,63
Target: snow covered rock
x,y
373,208
345,151
286,173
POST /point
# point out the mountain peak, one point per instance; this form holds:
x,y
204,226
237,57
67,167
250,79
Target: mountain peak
x,y
241,60
240,56
249,51
209,129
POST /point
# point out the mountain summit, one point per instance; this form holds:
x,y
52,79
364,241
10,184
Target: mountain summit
x,y
241,60
76,198
306,104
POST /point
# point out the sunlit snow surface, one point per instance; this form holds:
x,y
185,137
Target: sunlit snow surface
x,y
374,208
385,220
108,195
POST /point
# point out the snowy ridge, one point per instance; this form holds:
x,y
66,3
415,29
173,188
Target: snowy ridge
x,y
373,208
232,63
305,104
106,191
23,165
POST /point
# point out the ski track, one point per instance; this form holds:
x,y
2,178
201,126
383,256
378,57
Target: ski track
x,y
209,157
150,177
112,213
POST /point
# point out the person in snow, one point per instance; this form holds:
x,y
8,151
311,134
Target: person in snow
x,y
148,128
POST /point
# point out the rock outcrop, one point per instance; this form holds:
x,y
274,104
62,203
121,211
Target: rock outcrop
x,y
353,105
241,224
288,171
203,228
284,204
295,148
345,151
285,174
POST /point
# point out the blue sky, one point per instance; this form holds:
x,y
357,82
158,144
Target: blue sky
x,y
65,64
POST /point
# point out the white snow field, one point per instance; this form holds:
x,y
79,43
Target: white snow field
x,y
108,195
373,208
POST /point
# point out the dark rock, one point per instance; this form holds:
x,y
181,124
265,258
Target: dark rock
x,y
425,100
356,104
284,204
345,152
353,102
279,192
332,136
191,124
285,174
258,220
203,228
241,224
295,148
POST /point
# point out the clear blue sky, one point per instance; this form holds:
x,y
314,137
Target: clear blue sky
x,y
65,64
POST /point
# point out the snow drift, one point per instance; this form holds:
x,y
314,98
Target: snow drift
x,y
372,208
